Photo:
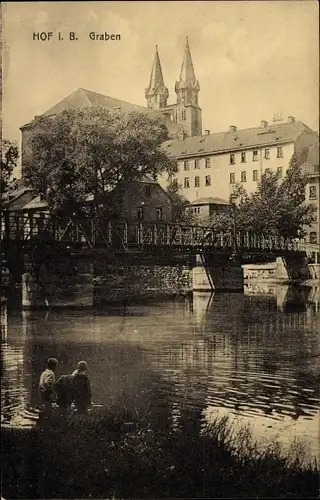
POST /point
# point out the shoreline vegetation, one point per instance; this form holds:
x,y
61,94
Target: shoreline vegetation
x,y
127,453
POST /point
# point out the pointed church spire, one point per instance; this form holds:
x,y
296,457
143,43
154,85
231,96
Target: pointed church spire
x,y
187,75
187,89
187,70
157,93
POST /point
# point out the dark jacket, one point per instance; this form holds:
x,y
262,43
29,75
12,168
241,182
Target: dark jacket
x,y
81,391
64,390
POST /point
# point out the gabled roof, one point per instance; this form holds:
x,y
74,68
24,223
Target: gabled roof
x,y
209,201
239,140
82,98
35,203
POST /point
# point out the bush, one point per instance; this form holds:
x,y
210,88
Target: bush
x,y
121,454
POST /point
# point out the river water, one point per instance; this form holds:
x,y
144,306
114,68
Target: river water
x,y
253,356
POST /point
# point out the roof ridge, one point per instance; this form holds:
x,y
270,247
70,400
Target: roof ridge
x,y
227,132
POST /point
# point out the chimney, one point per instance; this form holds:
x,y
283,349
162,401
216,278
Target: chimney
x,y
232,128
263,124
291,119
207,132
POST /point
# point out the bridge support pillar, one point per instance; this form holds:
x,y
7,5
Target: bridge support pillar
x,y
64,283
218,274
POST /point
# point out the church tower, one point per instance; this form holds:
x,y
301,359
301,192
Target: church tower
x,y
156,94
188,113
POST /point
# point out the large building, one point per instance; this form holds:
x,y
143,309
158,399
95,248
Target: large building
x,y
210,166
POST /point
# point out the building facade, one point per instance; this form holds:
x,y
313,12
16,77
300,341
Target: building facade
x,y
212,165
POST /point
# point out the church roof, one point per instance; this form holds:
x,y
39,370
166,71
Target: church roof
x,y
187,74
238,140
156,83
83,98
187,70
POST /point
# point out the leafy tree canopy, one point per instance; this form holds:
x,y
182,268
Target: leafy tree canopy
x,y
82,154
9,160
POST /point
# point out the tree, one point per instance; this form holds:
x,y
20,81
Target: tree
x,y
277,208
179,204
82,154
9,160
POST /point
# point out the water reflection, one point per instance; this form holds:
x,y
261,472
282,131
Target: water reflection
x,y
253,355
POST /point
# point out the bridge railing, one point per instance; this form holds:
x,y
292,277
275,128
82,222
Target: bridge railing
x,y
26,226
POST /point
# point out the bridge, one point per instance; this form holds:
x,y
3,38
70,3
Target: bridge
x,y
27,228
68,252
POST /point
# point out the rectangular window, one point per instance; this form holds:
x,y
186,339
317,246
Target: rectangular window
x,y
279,152
196,210
186,183
313,237
279,172
208,162
255,155
196,164
232,178
159,213
186,165
255,175
197,182
267,154
208,180
232,159
243,158
140,213
312,192
243,176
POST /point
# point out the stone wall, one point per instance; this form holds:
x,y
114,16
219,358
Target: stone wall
x,y
130,283
66,283
283,270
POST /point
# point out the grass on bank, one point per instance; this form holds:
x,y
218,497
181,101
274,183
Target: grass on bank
x,y
121,454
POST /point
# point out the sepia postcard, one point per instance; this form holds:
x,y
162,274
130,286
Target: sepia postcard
x,y
160,262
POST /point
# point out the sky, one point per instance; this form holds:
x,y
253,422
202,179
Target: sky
x,y
252,58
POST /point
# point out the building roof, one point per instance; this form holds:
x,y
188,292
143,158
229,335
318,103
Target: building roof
x,y
249,138
35,204
82,98
209,201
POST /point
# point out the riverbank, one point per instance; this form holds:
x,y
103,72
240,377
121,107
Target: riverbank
x,y
124,454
